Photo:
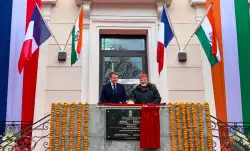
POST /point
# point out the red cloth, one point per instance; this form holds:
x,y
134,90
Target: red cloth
x,y
150,127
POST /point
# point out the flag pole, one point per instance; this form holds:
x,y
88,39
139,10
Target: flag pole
x,y
73,26
171,25
47,26
210,6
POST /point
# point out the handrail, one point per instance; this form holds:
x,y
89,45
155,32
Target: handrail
x,y
228,126
27,128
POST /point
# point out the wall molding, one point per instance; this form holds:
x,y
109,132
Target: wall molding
x,y
79,2
49,2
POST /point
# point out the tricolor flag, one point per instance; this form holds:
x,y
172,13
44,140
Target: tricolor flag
x,y
37,33
231,82
17,91
77,34
206,33
165,36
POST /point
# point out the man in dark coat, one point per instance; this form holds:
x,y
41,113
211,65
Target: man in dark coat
x,y
113,92
145,92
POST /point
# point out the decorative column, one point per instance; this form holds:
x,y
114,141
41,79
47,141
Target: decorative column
x,y
162,82
41,82
85,50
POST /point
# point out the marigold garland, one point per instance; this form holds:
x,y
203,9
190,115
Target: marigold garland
x,y
201,127
190,135
65,106
58,108
86,117
196,139
183,111
79,126
71,134
51,126
172,127
209,131
178,123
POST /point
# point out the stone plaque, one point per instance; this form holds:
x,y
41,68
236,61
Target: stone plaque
x,y
123,124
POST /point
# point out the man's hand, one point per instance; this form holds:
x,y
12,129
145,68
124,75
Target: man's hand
x,y
130,102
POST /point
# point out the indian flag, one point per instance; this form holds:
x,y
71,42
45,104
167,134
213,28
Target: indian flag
x,y
231,82
206,34
77,38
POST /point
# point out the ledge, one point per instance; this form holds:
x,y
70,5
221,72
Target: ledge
x,y
78,2
49,2
197,2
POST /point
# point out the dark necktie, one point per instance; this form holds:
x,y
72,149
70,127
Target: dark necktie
x,y
114,86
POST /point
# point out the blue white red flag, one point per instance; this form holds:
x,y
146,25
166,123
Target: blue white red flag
x,y
17,91
37,33
165,36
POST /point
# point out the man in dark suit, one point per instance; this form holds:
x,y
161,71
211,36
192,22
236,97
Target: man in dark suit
x,y
113,92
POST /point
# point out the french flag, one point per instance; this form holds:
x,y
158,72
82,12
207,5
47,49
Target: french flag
x,y
37,33
165,36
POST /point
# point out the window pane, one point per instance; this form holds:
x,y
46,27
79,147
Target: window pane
x,y
128,68
122,44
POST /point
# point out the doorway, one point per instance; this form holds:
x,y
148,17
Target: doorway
x,y
124,54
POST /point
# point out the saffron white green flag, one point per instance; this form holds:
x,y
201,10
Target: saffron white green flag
x,y
207,37
77,34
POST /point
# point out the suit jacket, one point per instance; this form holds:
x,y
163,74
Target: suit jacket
x,y
109,96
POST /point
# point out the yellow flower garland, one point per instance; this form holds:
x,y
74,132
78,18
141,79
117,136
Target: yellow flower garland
x,y
209,131
195,128
57,125
172,127
86,117
178,123
71,134
190,137
79,126
201,127
65,106
183,111
51,126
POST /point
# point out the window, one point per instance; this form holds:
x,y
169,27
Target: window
x,y
125,55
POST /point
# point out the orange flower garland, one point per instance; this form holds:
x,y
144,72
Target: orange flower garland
x,y
71,134
183,111
209,131
86,118
51,126
201,127
65,106
190,135
195,128
79,126
178,123
57,125
172,127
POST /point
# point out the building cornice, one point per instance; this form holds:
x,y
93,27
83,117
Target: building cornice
x,y
49,2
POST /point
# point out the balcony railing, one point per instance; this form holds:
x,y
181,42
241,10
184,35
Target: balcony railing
x,y
228,135
22,139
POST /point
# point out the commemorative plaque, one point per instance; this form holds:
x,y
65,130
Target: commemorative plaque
x,y
123,124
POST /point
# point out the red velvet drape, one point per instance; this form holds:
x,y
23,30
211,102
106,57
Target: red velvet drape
x,y
150,127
